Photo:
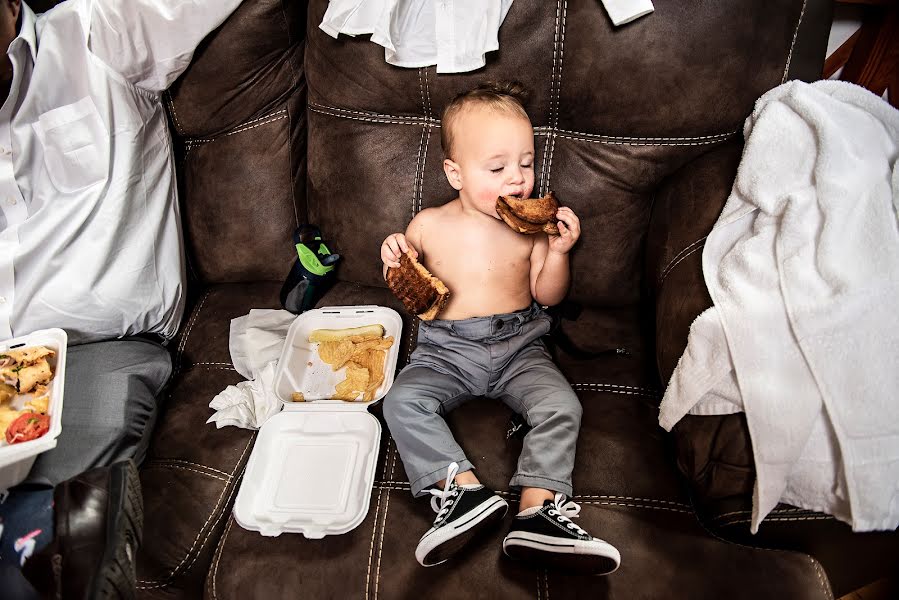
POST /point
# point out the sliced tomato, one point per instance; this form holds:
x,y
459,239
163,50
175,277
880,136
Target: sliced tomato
x,y
27,427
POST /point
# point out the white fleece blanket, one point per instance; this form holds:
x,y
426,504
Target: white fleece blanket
x,y
803,269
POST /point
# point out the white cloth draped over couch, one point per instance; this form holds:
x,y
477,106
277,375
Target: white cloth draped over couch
x,y
803,269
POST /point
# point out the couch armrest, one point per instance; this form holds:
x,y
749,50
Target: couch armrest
x,y
714,453
685,208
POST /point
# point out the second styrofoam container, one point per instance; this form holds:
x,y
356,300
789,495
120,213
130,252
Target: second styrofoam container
x,y
16,459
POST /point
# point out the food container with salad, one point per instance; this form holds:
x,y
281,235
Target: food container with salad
x,y
32,377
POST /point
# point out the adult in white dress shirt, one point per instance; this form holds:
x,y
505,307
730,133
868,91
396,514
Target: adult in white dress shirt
x,y
90,236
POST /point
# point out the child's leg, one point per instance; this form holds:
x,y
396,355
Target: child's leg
x,y
534,387
414,409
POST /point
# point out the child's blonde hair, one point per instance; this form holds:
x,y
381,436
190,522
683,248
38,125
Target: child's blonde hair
x,y
508,96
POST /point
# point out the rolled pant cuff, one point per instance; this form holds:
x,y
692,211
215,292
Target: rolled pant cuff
x,y
425,481
536,481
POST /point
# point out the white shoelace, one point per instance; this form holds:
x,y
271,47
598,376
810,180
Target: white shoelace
x,y
447,496
564,511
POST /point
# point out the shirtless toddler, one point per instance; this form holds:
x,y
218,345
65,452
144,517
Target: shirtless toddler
x,y
487,343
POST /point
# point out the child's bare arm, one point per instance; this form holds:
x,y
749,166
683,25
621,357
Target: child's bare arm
x,y
550,273
397,244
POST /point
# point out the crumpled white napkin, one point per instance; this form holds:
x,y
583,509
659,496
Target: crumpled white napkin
x,y
255,342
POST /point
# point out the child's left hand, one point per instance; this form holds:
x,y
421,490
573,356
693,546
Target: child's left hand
x,y
569,231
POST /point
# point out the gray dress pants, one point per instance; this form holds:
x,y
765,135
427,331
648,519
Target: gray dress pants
x,y
109,408
498,357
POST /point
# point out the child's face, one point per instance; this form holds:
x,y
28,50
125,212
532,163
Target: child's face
x,y
493,156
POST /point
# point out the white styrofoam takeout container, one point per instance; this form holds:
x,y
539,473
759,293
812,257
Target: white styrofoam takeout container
x,y
16,459
312,468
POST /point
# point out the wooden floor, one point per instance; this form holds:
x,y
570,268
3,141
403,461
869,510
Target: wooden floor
x,y
882,589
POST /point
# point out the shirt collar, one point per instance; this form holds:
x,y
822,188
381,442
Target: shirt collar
x,y
26,30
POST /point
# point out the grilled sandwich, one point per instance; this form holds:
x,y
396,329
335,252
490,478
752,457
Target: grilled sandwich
x,y
420,292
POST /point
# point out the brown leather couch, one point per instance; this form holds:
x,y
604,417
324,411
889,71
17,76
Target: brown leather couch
x,y
638,128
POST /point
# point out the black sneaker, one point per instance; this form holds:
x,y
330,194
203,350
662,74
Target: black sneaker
x,y
462,513
548,538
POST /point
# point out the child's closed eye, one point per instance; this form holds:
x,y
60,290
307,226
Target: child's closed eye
x,y
497,170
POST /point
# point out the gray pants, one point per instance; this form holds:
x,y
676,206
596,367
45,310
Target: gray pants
x,y
109,407
500,357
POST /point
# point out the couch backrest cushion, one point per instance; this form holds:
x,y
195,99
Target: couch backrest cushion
x,y
615,111
239,112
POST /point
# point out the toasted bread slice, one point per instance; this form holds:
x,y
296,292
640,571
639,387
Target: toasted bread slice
x,y
529,215
420,292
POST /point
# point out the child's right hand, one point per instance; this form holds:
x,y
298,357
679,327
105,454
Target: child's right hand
x,y
395,246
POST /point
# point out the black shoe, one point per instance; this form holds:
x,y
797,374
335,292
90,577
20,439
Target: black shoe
x,y
98,517
548,538
462,513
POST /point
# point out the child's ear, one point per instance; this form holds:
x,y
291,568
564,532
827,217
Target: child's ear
x,y
453,174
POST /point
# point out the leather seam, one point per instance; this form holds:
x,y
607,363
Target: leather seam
x,y
168,466
252,124
599,387
552,148
542,131
391,120
384,526
793,43
746,512
218,556
171,103
552,89
612,142
183,345
673,262
684,257
153,461
715,137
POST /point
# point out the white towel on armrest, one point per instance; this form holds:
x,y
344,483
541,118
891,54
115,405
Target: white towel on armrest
x,y
803,268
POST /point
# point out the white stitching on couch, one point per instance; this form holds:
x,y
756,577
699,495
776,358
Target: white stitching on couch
x,y
679,261
392,119
371,548
218,555
374,531
161,465
190,326
671,264
634,505
413,119
717,137
540,131
187,462
167,579
171,103
552,148
604,140
552,89
793,43
384,523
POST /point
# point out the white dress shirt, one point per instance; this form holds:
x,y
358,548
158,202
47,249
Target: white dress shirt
x,y
90,233
455,35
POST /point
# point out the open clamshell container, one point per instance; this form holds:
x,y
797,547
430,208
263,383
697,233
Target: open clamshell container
x,y
16,459
312,468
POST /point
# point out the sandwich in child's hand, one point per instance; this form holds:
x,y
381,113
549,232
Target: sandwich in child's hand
x,y
420,292
529,215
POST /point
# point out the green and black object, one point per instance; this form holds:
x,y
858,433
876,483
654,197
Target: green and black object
x,y
313,272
